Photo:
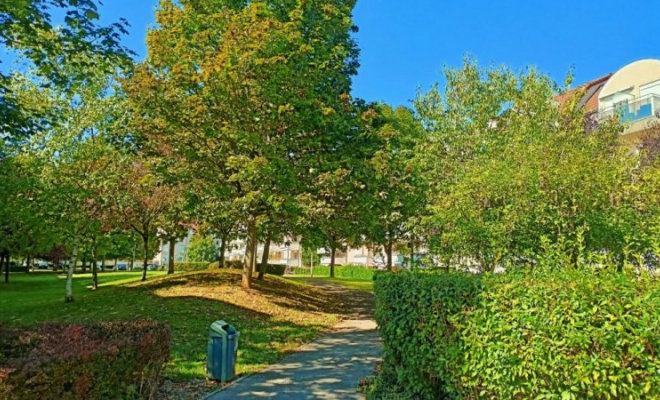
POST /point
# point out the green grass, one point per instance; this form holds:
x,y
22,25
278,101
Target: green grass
x,y
274,318
355,284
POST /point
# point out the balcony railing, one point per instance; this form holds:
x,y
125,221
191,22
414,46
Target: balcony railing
x,y
633,111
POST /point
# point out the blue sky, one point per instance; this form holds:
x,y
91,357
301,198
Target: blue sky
x,y
406,44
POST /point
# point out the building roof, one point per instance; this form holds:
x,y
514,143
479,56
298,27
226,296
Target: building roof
x,y
589,92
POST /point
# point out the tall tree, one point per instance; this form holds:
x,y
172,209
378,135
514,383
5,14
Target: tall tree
x,y
246,95
395,180
510,170
61,56
143,203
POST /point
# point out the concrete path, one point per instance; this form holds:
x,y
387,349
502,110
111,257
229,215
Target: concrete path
x,y
329,368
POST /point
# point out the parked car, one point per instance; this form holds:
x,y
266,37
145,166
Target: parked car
x,y
122,267
41,265
153,267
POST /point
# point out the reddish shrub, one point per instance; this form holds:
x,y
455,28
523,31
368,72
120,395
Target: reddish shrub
x,y
96,361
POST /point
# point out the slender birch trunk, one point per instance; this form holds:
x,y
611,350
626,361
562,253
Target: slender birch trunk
x,y
69,274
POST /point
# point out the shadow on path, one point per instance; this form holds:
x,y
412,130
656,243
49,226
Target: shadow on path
x,y
329,368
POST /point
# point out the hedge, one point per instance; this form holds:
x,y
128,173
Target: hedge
x,y
191,266
355,272
120,360
272,269
572,334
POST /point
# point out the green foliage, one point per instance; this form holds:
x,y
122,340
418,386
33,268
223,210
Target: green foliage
x,y
202,248
492,196
63,56
192,266
275,269
573,333
353,272
95,361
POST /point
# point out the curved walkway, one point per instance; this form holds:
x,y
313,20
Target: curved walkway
x,y
329,368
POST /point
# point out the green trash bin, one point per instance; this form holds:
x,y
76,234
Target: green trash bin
x,y
221,351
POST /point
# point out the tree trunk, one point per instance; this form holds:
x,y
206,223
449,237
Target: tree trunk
x,y
84,265
411,246
5,258
95,275
333,250
264,260
133,256
146,257
103,263
69,273
250,252
223,248
115,266
170,261
388,250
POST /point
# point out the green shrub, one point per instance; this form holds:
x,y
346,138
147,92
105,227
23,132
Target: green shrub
x,y
272,269
355,272
571,334
121,360
275,269
233,264
191,266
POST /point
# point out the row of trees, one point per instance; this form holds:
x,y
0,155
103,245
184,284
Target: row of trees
x,y
240,123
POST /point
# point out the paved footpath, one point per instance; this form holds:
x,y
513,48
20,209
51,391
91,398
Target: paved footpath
x,y
329,368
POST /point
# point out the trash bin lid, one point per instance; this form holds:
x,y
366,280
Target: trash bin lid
x,y
222,328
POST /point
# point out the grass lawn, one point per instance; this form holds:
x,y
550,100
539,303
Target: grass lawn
x,y
355,284
275,318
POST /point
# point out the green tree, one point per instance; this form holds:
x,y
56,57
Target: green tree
x,y
202,248
510,170
246,96
59,56
395,181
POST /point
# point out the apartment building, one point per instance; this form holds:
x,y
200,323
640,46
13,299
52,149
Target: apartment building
x,y
632,94
289,253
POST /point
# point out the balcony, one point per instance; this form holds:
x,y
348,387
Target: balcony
x,y
633,111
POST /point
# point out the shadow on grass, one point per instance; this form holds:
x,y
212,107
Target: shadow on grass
x,y
274,318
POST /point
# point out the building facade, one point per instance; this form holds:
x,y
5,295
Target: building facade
x,y
289,253
631,94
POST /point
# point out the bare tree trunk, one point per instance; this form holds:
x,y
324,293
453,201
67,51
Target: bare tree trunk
x,y
411,246
170,261
388,251
69,274
250,252
223,248
333,250
115,265
264,259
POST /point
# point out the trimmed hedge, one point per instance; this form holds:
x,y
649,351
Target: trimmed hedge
x,y
233,264
190,266
119,360
572,334
271,269
355,272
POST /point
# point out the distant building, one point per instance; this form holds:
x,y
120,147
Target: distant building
x,y
632,94
288,253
